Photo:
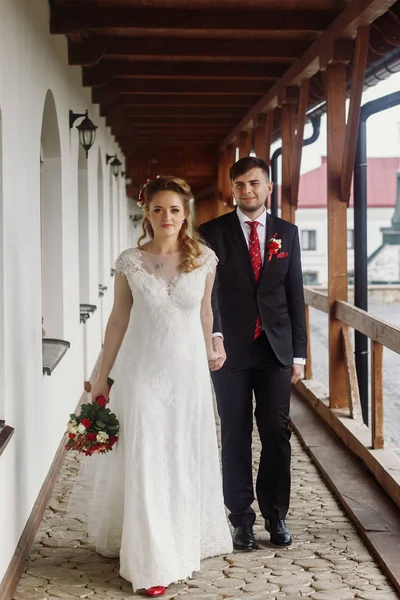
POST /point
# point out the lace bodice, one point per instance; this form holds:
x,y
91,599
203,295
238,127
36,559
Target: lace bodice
x,y
163,270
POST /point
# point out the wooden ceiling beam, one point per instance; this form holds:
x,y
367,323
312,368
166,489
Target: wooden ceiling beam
x,y
186,86
357,13
161,112
206,22
102,74
90,51
183,101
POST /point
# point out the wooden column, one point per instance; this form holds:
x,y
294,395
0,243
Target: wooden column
x,y
263,136
335,91
378,436
229,159
244,144
288,114
308,367
219,197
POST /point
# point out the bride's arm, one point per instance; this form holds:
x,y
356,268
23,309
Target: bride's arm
x,y
116,327
206,314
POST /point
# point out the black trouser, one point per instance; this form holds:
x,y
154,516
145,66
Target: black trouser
x,y
271,383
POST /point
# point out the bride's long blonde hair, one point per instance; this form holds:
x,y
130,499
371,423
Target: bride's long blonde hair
x,y
188,245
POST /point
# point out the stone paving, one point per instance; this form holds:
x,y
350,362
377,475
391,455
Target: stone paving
x,y
327,560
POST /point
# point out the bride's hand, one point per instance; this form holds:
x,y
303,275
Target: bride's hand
x,y
215,360
100,388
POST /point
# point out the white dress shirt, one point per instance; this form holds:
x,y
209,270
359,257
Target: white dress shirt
x,y
261,231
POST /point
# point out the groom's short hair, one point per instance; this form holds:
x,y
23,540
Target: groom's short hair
x,y
245,164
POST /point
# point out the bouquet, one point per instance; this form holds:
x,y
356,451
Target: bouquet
x,y
95,429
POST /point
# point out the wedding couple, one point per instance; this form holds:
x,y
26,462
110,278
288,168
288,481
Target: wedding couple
x,y
160,505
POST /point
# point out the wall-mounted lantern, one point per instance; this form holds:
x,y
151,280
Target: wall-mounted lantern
x,y
115,163
86,130
128,178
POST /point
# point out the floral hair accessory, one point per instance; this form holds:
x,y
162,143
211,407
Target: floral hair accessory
x,y
140,201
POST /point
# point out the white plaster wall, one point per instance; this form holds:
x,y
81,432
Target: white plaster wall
x,y
31,63
317,218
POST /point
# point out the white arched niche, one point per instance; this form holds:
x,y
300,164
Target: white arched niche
x,y
83,216
2,386
100,217
51,221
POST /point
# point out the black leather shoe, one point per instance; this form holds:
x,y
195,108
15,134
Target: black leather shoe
x,y
243,538
279,533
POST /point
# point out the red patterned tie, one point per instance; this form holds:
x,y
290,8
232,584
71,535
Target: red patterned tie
x,y
256,261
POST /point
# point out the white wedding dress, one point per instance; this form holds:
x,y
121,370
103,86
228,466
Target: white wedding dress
x,y
157,497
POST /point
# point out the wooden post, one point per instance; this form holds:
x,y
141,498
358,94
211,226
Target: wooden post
x,y
263,136
352,382
288,135
229,159
357,87
219,197
308,367
377,395
335,91
244,144
298,144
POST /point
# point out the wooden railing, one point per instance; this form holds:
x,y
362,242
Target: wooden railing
x,y
381,334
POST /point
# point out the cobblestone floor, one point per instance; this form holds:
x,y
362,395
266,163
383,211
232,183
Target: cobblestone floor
x,y
326,560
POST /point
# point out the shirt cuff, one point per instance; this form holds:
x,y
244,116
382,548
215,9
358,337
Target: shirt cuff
x,y
299,361
218,334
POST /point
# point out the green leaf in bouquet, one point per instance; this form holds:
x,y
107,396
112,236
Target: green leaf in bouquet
x,y
72,417
100,424
113,427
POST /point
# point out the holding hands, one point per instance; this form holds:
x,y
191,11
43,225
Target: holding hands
x,y
217,357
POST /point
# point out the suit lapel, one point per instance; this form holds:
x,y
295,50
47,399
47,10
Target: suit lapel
x,y
268,234
239,241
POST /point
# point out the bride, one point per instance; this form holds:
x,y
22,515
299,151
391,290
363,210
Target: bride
x,y
157,497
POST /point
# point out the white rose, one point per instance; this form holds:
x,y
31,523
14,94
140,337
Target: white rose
x,y
102,437
81,428
72,427
279,243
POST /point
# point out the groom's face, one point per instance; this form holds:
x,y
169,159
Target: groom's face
x,y
251,190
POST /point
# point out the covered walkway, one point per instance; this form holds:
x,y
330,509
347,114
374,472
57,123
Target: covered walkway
x,y
328,559
182,87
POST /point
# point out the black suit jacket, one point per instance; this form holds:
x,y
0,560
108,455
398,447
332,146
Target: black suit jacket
x,y
278,297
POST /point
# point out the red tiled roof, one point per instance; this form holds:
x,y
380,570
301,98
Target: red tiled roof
x,y
382,184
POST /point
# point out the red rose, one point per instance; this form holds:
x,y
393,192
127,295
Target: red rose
x,y
101,401
91,437
113,440
86,423
71,436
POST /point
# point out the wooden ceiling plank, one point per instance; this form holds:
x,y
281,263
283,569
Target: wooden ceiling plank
x,y
103,73
194,112
81,19
179,86
183,101
358,13
357,88
185,49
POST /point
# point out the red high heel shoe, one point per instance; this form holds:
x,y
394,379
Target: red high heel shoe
x,y
157,590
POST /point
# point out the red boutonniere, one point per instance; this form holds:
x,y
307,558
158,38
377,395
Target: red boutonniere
x,y
273,246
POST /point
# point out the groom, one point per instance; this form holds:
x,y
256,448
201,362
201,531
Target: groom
x,y
259,318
